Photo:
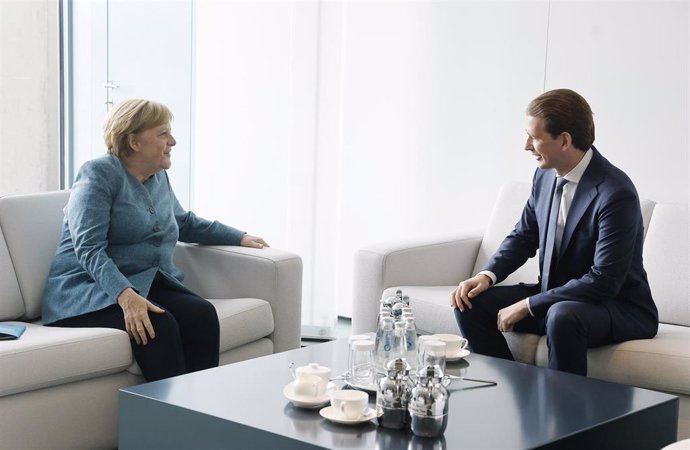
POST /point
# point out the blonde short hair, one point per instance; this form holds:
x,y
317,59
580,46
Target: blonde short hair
x,y
132,116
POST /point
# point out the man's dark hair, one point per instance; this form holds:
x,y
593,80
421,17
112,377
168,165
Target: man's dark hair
x,y
563,110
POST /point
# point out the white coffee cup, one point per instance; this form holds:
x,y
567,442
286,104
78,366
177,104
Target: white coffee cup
x,y
309,386
454,343
350,404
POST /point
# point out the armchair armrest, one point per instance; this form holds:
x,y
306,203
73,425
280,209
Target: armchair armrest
x,y
428,262
239,272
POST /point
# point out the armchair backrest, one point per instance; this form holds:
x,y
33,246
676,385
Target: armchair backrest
x,y
667,262
506,213
29,230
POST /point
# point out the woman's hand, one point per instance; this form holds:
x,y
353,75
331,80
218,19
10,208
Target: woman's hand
x,y
253,241
136,309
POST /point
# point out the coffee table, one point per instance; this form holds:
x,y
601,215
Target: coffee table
x,y
242,406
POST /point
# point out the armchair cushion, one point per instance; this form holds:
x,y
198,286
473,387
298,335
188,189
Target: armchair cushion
x,y
242,320
661,363
523,346
50,356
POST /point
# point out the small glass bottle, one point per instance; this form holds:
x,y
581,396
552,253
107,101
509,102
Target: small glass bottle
x,y
383,344
411,343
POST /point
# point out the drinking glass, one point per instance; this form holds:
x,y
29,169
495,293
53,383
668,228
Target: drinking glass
x,y
361,363
420,346
433,354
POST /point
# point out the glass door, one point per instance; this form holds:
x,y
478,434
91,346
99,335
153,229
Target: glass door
x,y
122,49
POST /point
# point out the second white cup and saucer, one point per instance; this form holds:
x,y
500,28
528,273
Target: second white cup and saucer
x,y
348,407
456,346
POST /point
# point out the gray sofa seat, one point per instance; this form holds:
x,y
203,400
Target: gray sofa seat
x,y
242,321
429,269
46,356
61,384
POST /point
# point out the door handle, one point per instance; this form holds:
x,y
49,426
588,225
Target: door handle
x,y
109,86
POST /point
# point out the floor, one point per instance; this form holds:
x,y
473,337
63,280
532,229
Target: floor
x,y
343,329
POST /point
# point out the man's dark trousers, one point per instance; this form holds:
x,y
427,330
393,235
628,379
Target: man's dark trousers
x,y
570,327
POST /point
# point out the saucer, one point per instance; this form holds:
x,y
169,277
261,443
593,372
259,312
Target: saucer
x,y
333,415
459,355
308,402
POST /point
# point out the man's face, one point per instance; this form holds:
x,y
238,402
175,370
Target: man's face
x,y
546,149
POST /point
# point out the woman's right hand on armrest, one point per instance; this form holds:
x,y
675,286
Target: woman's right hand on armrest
x,y
136,309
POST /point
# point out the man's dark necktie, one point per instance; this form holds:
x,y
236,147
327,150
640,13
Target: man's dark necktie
x,y
550,247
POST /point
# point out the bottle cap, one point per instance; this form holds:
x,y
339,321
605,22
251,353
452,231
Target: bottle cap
x,y
397,310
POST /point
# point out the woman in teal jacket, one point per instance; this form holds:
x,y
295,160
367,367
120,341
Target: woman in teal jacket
x,y
114,265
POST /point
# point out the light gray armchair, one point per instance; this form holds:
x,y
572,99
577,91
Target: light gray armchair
x,y
59,386
429,269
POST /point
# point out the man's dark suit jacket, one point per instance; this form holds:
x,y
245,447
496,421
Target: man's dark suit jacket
x,y
600,258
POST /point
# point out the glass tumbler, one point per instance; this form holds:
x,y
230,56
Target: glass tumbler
x,y
361,363
420,346
433,353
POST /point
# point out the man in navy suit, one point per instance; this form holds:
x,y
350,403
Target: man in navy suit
x,y
583,217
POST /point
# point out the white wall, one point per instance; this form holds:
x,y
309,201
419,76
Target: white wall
x,y
255,126
433,100
29,150
416,109
630,60
433,104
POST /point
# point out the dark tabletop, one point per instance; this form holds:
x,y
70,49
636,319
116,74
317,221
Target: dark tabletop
x,y
530,406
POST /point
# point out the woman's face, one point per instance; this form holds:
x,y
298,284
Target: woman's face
x,y
152,147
